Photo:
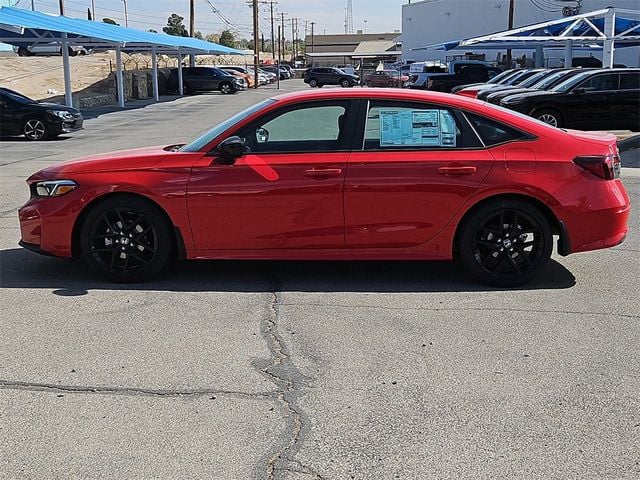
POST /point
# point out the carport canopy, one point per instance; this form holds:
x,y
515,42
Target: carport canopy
x,y
604,27
22,28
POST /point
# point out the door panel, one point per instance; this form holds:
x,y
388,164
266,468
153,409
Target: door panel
x,y
403,199
268,201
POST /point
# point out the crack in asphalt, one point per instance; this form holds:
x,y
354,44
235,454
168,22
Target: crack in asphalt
x,y
459,309
288,379
134,392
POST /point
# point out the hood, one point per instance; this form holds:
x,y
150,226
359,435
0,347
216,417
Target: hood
x,y
123,160
531,94
55,106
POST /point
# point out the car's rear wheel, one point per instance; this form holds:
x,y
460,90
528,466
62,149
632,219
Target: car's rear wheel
x,y
35,129
313,83
226,88
126,239
390,83
505,242
23,52
548,115
344,83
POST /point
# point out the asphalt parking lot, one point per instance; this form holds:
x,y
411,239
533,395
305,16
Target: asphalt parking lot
x,y
298,370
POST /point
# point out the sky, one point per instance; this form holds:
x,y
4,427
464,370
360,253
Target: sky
x,y
328,15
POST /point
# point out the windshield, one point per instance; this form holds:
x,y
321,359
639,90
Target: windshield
x,y
15,96
500,76
568,84
200,142
533,79
547,81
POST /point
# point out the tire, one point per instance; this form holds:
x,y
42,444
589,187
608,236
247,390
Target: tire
x,y
505,242
72,52
35,129
391,84
23,52
344,83
126,239
226,88
313,83
549,116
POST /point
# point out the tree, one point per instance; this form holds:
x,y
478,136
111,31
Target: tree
x,y
212,37
227,39
175,26
151,30
109,21
198,34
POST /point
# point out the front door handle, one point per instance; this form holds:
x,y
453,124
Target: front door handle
x,y
323,172
457,170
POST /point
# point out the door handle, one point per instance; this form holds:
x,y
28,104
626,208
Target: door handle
x,y
457,170
323,172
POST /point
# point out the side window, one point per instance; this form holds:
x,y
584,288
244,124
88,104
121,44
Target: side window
x,y
306,129
392,126
494,133
629,81
600,82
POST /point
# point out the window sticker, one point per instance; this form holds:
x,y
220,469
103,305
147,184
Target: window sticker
x,y
427,128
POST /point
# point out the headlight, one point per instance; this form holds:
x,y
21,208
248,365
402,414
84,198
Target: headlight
x,y
54,188
61,114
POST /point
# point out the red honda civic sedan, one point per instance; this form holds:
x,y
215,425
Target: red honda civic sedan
x,y
367,174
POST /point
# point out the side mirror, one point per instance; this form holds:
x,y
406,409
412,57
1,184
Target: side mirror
x,y
579,91
230,150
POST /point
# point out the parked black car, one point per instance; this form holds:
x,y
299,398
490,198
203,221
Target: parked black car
x,y
545,82
205,79
281,72
597,99
320,76
20,115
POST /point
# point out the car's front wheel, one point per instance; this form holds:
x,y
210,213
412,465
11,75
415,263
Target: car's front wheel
x,y
505,242
226,88
126,239
35,129
549,116
344,83
313,83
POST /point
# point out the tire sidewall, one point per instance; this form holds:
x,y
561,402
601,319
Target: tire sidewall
x,y
313,83
153,214
46,129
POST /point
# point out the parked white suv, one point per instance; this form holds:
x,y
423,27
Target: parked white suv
x,y
48,49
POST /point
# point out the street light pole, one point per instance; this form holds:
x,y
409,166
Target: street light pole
x,y
256,44
93,9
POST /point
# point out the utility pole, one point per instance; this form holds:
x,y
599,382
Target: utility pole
x,y
61,2
93,10
511,2
312,24
273,40
256,45
293,39
192,28
126,15
283,37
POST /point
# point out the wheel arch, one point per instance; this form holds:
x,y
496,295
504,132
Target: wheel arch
x,y
178,240
557,226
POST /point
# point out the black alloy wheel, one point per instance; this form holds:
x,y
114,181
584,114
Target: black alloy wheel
x,y
126,239
506,243
35,129
345,83
313,83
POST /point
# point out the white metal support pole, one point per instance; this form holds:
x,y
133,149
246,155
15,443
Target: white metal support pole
x,y
119,77
609,31
154,79
180,82
539,56
192,59
68,94
568,53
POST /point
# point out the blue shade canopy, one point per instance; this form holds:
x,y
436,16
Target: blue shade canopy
x,y
22,28
586,31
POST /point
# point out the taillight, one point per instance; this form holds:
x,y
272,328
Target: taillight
x,y
468,93
603,166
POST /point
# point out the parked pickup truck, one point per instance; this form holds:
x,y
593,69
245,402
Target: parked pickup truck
x,y
468,74
421,72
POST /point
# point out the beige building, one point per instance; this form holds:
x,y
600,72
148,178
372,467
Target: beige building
x,y
355,49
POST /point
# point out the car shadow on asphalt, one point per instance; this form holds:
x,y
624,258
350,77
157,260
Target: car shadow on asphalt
x,y
20,269
16,139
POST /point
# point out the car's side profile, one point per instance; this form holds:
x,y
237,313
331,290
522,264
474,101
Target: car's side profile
x,y
321,76
340,174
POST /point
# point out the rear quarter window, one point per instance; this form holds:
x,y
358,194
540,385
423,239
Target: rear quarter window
x,y
494,133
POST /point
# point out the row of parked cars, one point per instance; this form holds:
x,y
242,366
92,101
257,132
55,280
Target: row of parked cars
x,y
581,98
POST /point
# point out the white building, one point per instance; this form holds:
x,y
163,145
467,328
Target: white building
x,y
430,22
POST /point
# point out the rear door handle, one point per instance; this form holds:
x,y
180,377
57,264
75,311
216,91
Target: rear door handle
x,y
457,170
323,172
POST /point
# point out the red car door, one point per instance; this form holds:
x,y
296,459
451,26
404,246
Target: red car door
x,y
418,165
286,194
